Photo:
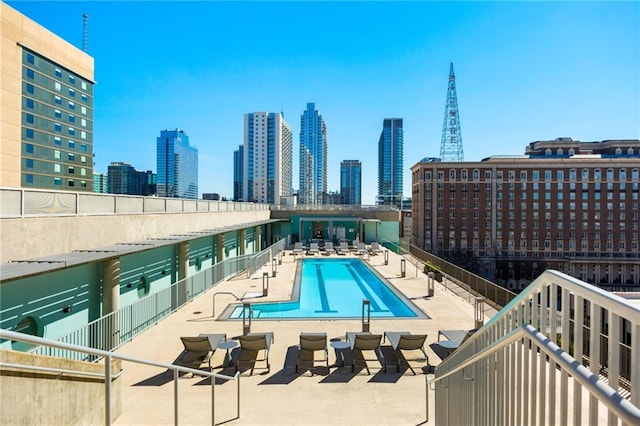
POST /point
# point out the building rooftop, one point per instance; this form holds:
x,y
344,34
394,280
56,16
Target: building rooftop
x,y
283,396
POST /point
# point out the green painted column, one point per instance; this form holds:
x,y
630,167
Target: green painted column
x,y
243,241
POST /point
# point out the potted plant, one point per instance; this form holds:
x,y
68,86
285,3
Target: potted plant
x,y
431,267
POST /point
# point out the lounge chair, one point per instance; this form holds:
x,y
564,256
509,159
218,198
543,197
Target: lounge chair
x,y
297,248
250,347
365,341
313,248
197,351
343,248
310,343
405,341
328,248
361,249
455,338
375,248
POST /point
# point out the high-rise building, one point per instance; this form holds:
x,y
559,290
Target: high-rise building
x,y
100,183
351,182
268,157
47,108
123,178
177,164
566,205
313,157
390,162
238,173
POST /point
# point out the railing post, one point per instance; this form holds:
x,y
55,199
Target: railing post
x,y
430,284
280,257
273,267
246,318
366,321
386,257
479,313
403,268
265,283
107,390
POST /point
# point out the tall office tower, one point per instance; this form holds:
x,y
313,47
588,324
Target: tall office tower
x,y
238,173
313,157
565,205
351,182
451,143
177,163
268,157
390,162
124,179
47,104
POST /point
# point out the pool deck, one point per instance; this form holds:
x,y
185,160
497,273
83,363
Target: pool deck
x,y
283,397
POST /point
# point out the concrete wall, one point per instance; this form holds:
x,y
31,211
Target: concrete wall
x,y
22,238
39,398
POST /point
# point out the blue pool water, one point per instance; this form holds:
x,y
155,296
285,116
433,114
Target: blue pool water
x,y
335,288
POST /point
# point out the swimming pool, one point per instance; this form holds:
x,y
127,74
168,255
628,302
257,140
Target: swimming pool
x,y
335,288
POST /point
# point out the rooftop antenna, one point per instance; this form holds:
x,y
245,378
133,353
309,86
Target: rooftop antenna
x,y
85,32
451,144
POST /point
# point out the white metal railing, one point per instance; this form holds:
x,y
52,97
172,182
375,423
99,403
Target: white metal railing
x,y
259,260
116,328
109,376
21,202
540,377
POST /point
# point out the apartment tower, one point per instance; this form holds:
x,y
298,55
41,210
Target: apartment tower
x,y
351,182
47,108
566,205
268,156
390,163
313,157
177,165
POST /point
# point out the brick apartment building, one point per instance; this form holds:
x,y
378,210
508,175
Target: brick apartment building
x,y
565,205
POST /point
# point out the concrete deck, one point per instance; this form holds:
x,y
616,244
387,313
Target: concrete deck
x,y
282,396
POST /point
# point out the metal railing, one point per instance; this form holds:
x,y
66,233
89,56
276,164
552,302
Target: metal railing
x,y
511,378
495,295
109,376
21,202
115,329
259,260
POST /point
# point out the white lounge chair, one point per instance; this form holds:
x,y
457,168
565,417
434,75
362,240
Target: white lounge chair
x,y
313,248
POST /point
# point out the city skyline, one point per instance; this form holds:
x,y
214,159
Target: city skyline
x,y
521,75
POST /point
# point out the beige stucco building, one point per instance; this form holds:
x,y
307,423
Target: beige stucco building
x,y
46,127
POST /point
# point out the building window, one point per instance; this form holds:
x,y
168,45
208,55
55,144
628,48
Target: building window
x,y
30,58
72,92
72,79
83,97
29,103
29,118
57,113
29,163
57,86
29,178
72,105
29,133
30,73
57,140
57,127
30,88
28,148
57,181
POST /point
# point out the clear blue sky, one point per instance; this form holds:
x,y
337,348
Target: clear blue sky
x,y
525,71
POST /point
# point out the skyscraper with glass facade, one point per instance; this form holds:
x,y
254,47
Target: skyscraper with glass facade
x,y
313,157
351,182
268,156
177,163
238,172
47,104
390,162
